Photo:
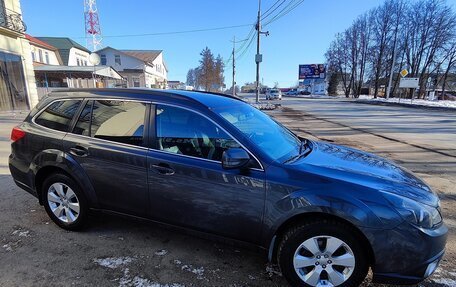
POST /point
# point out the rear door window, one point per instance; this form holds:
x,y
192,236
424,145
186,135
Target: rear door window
x,y
117,121
58,115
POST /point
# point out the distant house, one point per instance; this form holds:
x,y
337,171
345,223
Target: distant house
x,y
141,68
71,52
42,53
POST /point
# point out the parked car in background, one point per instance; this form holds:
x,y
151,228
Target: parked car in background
x,y
292,92
215,164
273,94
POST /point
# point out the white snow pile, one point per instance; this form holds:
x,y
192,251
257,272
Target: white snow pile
x,y
417,102
113,262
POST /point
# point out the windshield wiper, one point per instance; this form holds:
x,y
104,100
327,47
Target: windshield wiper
x,y
304,149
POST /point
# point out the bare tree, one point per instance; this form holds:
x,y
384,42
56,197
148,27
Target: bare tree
x,y
422,32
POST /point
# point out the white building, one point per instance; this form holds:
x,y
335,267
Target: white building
x,y
141,68
17,78
71,52
43,53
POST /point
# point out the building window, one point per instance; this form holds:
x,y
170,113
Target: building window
x,y
117,60
78,62
46,56
103,59
33,56
85,63
13,94
136,83
40,55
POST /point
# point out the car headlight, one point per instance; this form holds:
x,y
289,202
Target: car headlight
x,y
419,214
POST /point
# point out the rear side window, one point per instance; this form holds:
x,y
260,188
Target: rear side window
x,y
58,115
118,121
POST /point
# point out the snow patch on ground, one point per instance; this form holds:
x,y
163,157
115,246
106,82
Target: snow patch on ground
x,y
161,252
417,102
21,233
138,281
441,276
445,281
113,262
198,271
8,247
272,270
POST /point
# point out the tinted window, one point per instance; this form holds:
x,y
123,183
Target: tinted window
x,y
58,115
117,121
82,126
184,132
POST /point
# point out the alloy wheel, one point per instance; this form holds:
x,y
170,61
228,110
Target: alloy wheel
x,y
324,261
63,202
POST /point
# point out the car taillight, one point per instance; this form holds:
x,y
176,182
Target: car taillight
x,y
17,134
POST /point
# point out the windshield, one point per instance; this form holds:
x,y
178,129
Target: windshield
x,y
272,138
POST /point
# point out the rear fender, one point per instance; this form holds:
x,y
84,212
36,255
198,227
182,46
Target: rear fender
x,y
53,158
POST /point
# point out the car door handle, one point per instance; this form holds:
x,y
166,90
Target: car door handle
x,y
163,169
79,151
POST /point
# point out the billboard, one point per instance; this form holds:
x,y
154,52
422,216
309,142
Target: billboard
x,y
312,71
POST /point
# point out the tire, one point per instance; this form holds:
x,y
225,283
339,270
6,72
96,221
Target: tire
x,y
69,201
296,238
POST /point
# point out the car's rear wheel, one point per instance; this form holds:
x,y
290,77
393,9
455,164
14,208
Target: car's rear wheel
x,y
322,253
64,201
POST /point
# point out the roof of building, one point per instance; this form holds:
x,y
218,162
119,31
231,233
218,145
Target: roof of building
x,y
38,42
144,55
106,71
64,45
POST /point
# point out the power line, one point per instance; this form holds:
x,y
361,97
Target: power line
x,y
267,14
287,9
174,32
246,48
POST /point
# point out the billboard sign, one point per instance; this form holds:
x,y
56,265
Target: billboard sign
x,y
409,83
312,71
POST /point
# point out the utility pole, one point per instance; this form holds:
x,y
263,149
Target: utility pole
x,y
233,89
258,56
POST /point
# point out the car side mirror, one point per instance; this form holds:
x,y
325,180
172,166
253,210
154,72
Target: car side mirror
x,y
235,158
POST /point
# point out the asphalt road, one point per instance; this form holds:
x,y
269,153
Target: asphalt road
x,y
115,251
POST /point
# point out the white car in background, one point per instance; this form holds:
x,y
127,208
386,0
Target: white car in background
x,y
273,94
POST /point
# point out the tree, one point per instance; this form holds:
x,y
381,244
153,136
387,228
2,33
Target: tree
x,y
209,74
422,32
191,79
206,67
219,78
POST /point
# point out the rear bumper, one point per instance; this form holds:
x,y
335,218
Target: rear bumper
x,y
406,254
21,175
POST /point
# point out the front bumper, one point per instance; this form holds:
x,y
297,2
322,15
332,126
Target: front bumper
x,y
406,254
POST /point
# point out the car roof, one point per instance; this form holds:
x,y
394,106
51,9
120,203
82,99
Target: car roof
x,y
209,99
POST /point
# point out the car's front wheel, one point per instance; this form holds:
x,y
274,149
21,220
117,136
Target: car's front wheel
x,y
322,253
64,201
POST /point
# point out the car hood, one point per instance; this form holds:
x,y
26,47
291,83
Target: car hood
x,y
357,165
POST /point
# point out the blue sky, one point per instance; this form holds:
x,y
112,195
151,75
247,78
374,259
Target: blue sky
x,y
300,37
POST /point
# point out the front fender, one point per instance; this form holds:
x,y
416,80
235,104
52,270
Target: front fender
x,y
348,206
53,158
